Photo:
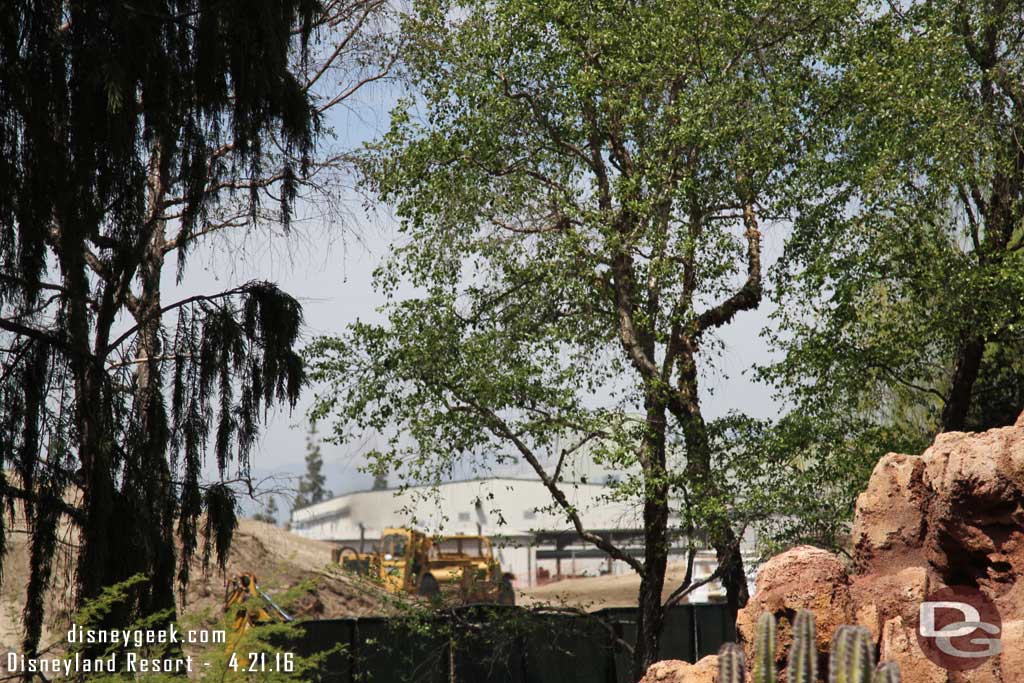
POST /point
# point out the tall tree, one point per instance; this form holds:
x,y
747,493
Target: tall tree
x,y
128,132
910,252
583,200
312,484
902,285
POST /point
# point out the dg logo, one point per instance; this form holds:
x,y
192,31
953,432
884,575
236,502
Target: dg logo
x,y
959,628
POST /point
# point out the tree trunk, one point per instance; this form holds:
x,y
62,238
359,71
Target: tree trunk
x,y
734,577
650,616
965,374
698,469
149,485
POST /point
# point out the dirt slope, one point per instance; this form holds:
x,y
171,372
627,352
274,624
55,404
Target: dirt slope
x,y
281,561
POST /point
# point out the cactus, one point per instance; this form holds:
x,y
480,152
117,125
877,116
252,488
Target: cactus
x,y
852,659
853,656
887,673
803,655
764,649
730,664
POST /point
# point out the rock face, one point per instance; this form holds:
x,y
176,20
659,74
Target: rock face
x,y
953,516
676,671
955,513
803,578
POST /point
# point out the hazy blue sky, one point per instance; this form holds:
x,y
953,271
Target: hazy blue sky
x,y
329,268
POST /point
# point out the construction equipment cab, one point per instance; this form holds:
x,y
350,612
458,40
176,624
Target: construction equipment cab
x,y
464,566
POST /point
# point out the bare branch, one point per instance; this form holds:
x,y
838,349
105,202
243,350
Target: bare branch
x,y
749,295
500,428
178,304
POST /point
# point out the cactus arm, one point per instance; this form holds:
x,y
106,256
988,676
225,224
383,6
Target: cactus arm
x,y
764,649
730,664
803,655
852,658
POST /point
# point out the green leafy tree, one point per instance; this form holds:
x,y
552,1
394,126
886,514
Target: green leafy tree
x,y
582,201
903,282
312,485
128,133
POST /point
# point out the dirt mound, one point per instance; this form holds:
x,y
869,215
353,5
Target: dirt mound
x,y
676,671
284,564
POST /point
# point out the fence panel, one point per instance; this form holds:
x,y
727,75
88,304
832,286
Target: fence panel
x,y
713,627
507,645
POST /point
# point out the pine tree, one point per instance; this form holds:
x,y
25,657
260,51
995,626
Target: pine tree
x,y
312,485
127,134
269,512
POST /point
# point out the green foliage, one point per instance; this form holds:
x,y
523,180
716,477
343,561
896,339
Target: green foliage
x,y
268,513
580,188
258,654
764,649
902,283
312,487
998,397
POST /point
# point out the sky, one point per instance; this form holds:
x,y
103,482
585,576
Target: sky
x,y
329,268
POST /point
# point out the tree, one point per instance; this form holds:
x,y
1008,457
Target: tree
x,y
129,133
269,512
583,202
903,282
312,487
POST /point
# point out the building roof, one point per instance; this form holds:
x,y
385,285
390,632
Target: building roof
x,y
507,506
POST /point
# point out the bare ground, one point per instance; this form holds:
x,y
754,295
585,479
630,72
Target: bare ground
x,y
282,562
594,593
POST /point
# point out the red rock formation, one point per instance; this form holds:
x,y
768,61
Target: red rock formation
x,y
803,578
676,671
953,516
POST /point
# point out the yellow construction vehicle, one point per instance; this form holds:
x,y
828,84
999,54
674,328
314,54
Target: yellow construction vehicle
x,y
242,593
355,561
412,562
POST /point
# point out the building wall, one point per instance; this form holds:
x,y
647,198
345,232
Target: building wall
x,y
516,513
507,506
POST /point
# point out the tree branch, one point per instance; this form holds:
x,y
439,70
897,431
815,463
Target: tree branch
x,y
31,332
500,428
749,295
177,304
689,585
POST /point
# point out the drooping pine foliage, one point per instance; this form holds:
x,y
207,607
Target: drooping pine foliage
x,y
127,132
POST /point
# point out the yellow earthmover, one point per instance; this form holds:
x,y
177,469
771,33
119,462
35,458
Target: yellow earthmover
x,y
243,595
410,561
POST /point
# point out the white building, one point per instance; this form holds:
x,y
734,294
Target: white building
x,y
534,540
